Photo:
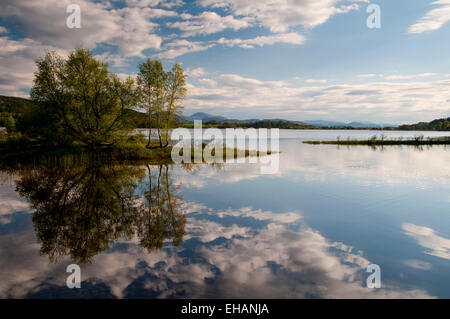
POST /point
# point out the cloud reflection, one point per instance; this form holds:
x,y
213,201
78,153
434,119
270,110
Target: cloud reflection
x,y
272,261
428,238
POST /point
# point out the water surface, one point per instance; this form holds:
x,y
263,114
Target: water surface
x,y
199,231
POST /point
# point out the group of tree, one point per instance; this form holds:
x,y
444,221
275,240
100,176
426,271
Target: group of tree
x,y
256,124
436,125
78,100
161,95
11,108
8,121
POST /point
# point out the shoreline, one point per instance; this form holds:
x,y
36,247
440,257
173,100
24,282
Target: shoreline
x,y
374,142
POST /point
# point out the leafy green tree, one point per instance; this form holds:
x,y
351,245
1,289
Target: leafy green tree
x,y
176,93
45,119
10,124
87,102
161,94
443,125
151,80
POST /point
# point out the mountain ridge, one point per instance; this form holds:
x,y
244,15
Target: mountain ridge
x,y
206,117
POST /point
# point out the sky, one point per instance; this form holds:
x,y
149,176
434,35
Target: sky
x,y
290,59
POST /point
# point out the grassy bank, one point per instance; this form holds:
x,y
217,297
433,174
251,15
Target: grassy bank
x,y
20,149
416,141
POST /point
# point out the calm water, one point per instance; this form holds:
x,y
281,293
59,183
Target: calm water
x,y
309,231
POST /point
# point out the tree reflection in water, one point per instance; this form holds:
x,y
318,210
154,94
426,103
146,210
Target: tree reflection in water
x,y
160,215
80,211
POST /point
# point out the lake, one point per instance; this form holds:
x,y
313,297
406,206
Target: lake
x,y
227,231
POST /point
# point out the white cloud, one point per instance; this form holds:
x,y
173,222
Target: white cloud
x,y
17,64
310,265
208,231
397,76
292,38
246,212
208,22
237,81
381,101
10,201
366,76
154,3
426,237
196,73
130,29
280,15
179,47
418,264
258,214
258,263
315,81
434,19
408,77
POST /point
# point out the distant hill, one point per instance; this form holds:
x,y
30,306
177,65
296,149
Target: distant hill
x,y
204,117
371,125
436,125
322,123
281,124
11,104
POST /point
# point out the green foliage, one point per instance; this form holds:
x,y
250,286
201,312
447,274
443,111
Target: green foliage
x,y
161,94
78,100
44,124
151,80
14,105
15,143
10,125
436,125
255,124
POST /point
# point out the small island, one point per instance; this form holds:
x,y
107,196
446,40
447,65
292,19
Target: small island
x,y
417,140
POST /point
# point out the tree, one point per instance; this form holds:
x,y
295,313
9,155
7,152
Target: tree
x,y
44,119
443,125
10,125
176,93
161,95
88,102
151,80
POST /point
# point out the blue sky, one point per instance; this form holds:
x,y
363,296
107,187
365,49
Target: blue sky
x,y
292,59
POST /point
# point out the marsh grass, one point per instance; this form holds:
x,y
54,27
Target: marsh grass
x,y
382,141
